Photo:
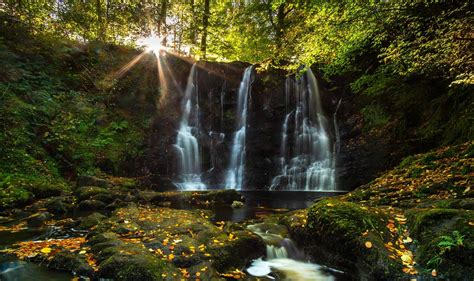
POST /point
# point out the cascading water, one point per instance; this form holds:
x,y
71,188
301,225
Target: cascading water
x,y
187,145
235,173
306,153
284,256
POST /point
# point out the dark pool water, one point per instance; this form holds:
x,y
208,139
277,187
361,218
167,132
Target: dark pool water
x,y
259,203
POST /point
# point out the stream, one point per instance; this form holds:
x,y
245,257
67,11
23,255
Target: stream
x,y
283,256
13,269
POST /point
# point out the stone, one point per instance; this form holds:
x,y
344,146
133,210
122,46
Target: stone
x,y
72,262
237,204
91,205
38,219
92,181
87,192
91,220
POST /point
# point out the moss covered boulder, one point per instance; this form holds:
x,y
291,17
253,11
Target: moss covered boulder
x,y
414,221
347,236
446,241
168,239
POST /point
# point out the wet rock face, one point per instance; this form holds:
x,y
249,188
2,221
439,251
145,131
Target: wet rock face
x,y
361,154
217,86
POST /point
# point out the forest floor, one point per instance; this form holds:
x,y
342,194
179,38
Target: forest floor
x,y
415,220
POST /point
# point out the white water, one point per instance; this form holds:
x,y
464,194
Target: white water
x,y
306,153
187,145
235,174
283,256
293,270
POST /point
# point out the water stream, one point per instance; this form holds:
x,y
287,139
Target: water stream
x,y
187,145
235,174
283,260
306,153
13,269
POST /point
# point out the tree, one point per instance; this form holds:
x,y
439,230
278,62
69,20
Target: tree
x,y
205,23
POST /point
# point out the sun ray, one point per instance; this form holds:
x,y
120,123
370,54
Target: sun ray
x,y
124,69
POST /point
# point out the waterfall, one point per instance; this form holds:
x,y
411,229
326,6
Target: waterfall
x,y
187,145
337,142
284,256
306,153
235,173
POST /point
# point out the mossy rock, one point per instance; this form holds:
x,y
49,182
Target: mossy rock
x,y
333,234
72,262
445,241
237,253
204,271
38,219
91,220
46,190
271,233
59,205
103,197
91,205
14,196
87,192
101,237
92,181
135,264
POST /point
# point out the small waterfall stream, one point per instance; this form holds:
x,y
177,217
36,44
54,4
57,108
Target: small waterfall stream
x,y
306,154
235,174
187,145
284,256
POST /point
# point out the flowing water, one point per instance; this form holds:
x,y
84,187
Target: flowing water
x,y
235,174
306,154
187,145
284,257
13,269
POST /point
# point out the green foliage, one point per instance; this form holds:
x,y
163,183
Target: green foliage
x,y
55,121
446,243
374,116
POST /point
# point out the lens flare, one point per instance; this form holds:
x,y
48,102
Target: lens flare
x,y
151,43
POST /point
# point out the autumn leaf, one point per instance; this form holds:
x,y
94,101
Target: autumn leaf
x,y
368,244
46,250
407,240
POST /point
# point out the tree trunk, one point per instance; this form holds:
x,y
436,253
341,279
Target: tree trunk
x,y
100,21
162,22
192,26
205,23
280,25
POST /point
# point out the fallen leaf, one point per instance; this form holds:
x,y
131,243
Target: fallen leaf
x,y
368,244
46,250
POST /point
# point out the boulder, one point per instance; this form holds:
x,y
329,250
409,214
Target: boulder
x,y
91,205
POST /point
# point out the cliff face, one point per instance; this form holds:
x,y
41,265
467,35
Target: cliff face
x,y
217,87
362,154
